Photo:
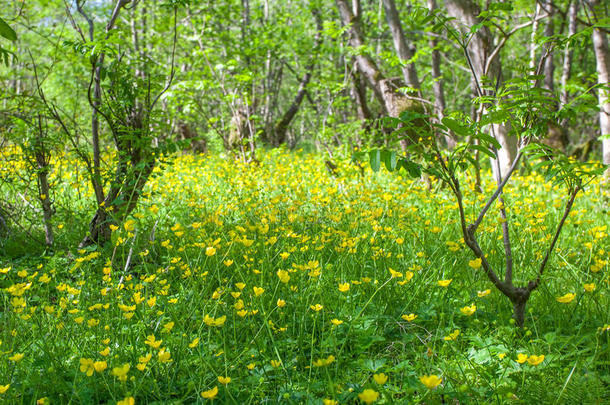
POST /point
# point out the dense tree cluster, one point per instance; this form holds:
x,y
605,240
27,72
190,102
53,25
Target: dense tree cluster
x,y
139,79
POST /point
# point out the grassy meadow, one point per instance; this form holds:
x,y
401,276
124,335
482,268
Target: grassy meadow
x,y
283,284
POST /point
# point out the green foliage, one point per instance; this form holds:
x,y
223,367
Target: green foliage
x,y
353,231
7,32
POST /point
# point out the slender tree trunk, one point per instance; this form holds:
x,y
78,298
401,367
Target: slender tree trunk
x,y
366,65
437,84
479,49
533,46
42,175
401,46
549,65
567,54
602,57
282,126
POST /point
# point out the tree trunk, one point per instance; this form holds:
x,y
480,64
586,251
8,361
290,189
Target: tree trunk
x,y
602,57
401,46
478,51
366,65
437,84
567,55
42,175
385,90
279,131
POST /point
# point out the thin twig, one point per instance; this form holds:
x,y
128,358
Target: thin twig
x,y
498,191
533,285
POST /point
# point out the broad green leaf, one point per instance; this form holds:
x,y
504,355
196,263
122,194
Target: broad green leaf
x,y
375,159
412,168
455,126
483,149
489,139
6,31
389,159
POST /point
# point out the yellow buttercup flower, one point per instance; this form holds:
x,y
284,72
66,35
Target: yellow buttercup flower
x,y
431,381
164,356
283,276
564,299
343,287
475,264
316,307
483,293
16,357
127,401
121,372
129,225
324,362
589,287
4,388
224,380
258,291
380,378
453,335
395,274
208,320
445,283
409,317
521,358
152,341
194,343
100,366
281,303
468,310
368,396
210,394
336,322
535,360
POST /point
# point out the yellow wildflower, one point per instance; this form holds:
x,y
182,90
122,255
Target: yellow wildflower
x,y
564,299
431,381
380,378
409,317
445,283
468,310
210,394
368,396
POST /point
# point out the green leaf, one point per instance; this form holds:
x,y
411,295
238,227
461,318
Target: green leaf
x,y
375,159
389,159
455,126
6,31
412,168
489,139
483,149
356,156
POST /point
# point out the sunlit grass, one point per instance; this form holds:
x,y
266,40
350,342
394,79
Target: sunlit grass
x,y
284,284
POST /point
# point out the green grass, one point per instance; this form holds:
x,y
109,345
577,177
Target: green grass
x,y
290,214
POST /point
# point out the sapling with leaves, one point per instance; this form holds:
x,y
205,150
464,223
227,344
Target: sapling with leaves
x,y
526,109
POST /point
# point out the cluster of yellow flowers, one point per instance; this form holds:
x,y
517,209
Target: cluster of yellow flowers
x,y
239,263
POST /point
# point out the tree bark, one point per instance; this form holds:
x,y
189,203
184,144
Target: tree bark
x,y
281,127
602,57
42,175
567,55
401,46
366,65
437,84
484,70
